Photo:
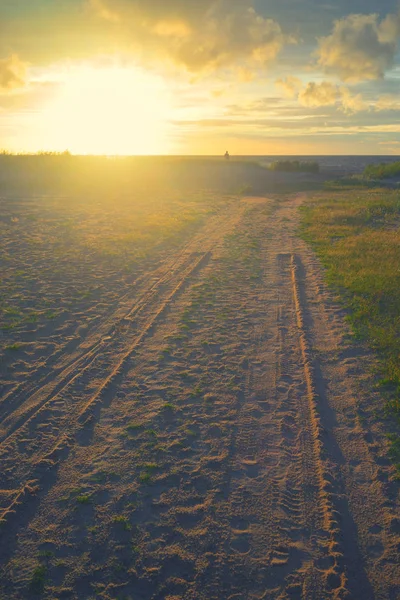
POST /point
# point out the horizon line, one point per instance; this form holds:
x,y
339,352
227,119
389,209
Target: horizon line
x,y
67,153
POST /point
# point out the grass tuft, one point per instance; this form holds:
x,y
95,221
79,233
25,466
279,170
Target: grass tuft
x,y
38,580
134,427
14,347
123,521
84,499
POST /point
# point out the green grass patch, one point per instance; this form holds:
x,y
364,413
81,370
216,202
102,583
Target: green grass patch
x,y
197,391
151,467
122,521
11,312
14,347
51,315
132,427
356,234
38,580
151,433
46,554
84,499
32,317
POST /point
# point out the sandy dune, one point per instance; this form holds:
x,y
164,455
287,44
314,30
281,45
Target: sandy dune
x,y
210,436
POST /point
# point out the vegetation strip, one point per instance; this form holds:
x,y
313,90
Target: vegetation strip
x,y
382,171
355,234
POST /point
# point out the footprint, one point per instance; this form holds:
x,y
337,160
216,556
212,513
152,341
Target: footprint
x,y
375,551
256,414
395,526
252,469
239,524
272,460
287,430
282,389
333,580
189,520
325,563
241,544
375,529
264,405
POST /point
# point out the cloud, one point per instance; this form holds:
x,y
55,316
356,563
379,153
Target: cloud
x,y
387,102
198,34
360,47
290,86
12,73
352,103
314,95
319,94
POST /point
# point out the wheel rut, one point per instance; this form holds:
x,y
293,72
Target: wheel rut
x,y
232,463
54,413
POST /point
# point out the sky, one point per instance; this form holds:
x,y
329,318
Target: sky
x,y
200,76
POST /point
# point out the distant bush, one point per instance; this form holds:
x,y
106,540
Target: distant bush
x,y
294,166
382,171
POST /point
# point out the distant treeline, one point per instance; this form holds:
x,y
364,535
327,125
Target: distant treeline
x,y
294,166
382,171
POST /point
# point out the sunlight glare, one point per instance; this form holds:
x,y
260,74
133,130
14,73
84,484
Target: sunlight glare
x,y
109,111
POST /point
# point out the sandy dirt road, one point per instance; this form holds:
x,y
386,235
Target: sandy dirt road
x,y
213,438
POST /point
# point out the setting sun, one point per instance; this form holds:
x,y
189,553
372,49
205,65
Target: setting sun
x,y
110,110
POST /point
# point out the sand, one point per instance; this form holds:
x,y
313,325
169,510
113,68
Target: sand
x,y
210,434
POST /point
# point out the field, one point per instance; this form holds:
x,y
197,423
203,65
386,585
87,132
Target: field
x,y
185,412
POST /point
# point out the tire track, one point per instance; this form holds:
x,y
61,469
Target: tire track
x,y
368,515
49,430
59,378
245,503
282,517
292,545
330,520
257,553
77,413
109,322
55,383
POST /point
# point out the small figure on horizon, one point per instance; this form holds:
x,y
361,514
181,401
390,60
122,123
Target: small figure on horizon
x,y
226,156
